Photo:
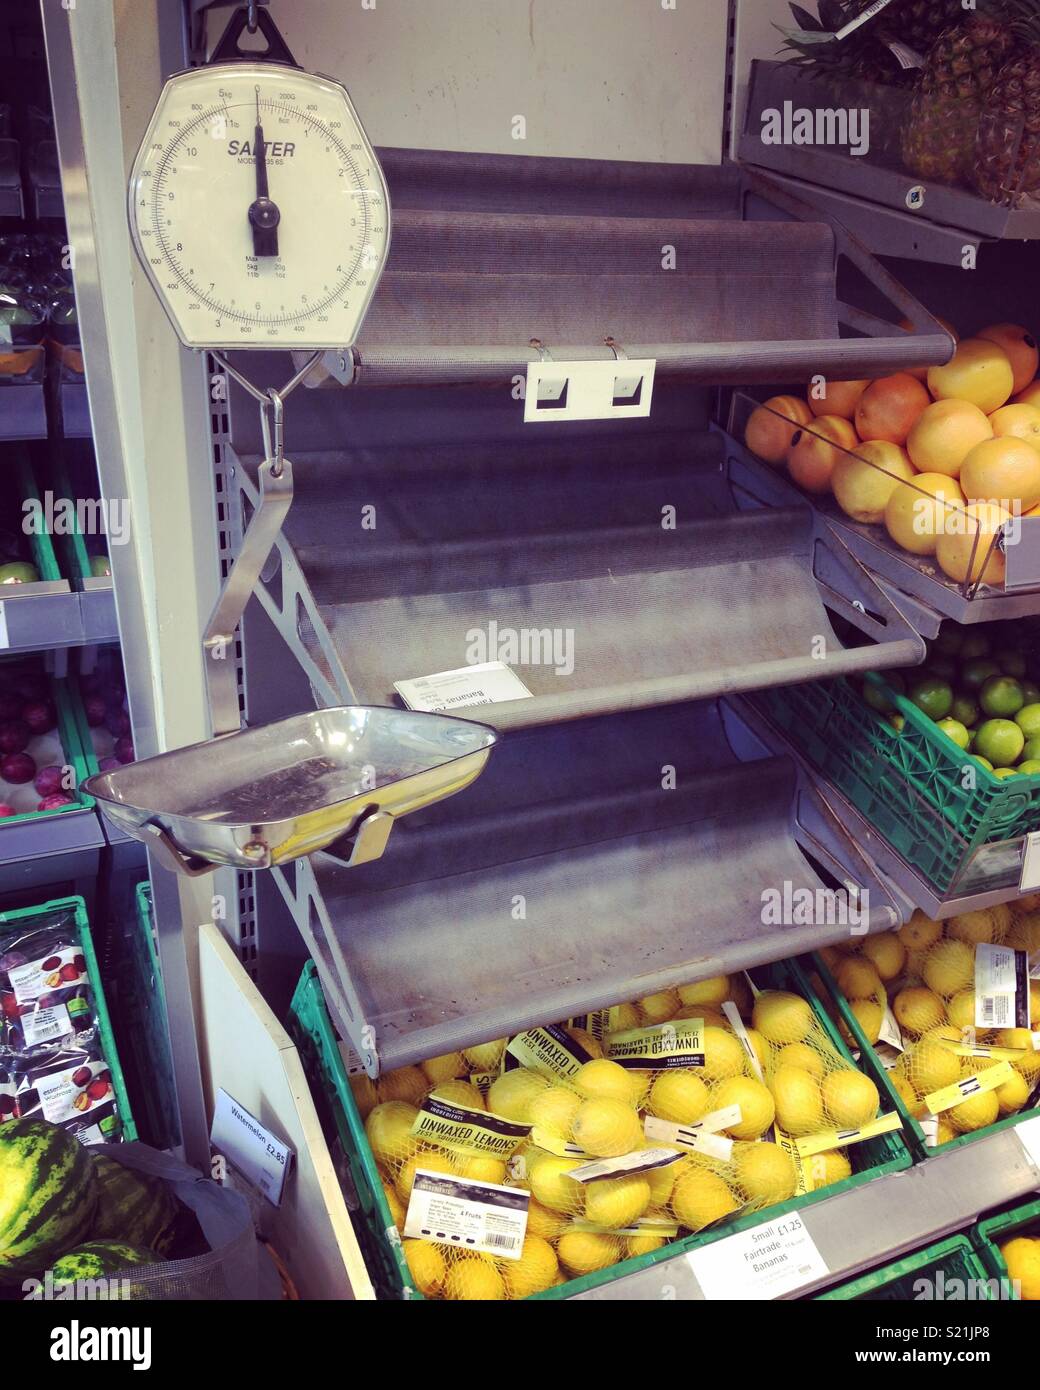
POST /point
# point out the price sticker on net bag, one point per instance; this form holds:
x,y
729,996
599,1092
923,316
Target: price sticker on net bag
x,y
1001,987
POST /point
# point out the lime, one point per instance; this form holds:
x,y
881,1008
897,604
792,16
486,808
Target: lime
x,y
1003,772
1032,749
965,709
1031,691
1028,720
949,641
1011,662
976,644
942,667
1001,695
1031,766
954,729
975,674
875,698
933,696
984,761
898,722
1000,740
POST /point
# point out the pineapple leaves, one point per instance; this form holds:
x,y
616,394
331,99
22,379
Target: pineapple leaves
x,y
809,23
832,14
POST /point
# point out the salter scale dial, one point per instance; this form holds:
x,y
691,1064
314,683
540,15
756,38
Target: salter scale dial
x,y
258,208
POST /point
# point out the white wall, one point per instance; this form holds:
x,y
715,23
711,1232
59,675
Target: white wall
x,y
756,37
603,79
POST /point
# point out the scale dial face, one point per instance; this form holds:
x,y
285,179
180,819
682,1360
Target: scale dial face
x,y
258,208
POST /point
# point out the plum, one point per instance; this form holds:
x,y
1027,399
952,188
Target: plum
x,y
14,736
17,768
39,716
6,810
96,709
81,1076
48,781
10,707
108,764
51,803
117,722
31,687
124,750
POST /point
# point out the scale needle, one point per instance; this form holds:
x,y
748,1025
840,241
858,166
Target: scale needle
x,y
264,215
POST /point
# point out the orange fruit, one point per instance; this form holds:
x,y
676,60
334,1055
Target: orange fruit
x,y
815,451
944,433
1031,394
921,373
889,407
1021,421
767,434
979,371
1005,471
954,548
836,398
1020,346
915,520
863,482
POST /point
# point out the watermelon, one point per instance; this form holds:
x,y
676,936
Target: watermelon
x,y
48,1195
99,1258
132,1207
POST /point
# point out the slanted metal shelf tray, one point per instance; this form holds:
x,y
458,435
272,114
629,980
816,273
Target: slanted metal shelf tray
x,y
591,863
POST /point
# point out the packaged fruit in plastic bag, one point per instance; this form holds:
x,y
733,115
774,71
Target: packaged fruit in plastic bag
x,y
45,997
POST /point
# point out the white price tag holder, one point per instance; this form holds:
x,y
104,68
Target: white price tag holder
x,y
262,1159
763,1263
489,683
1029,879
616,389
1029,1137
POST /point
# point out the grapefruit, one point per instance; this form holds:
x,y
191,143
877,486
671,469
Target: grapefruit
x,y
864,481
768,433
1031,394
1021,349
1020,421
836,398
971,545
815,452
943,435
890,407
1005,471
979,372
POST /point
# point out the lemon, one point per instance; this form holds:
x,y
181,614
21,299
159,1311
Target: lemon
x,y
1029,1063
759,1047
723,1055
850,1098
679,1096
585,1039
480,1168
711,1018
426,1266
832,957
829,1167
406,1083
944,1032
960,1010
397,1211
366,1097
485,1056
535,1270
944,1132
622,1017
857,979
459,1092
803,1056
615,1202
781,1017
1013,1094
918,1009
932,1066
602,1079
432,1159
511,1094
985,925
765,1173
713,991
974,1113
1022,1257
920,932
389,1131
541,1221
474,1279
607,1128
642,1245
886,953
870,1015
583,1252
659,1008
550,1184
555,1110
701,1197
662,1181
757,1109
949,968
437,1069
904,1090
1024,933
799,1105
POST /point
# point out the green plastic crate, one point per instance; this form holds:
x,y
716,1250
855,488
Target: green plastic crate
x,y
144,1017
988,1235
71,723
908,785
25,918
874,1067
72,545
315,1038
40,543
953,1258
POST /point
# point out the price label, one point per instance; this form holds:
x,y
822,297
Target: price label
x,y
1029,879
262,1159
483,1216
489,683
763,1263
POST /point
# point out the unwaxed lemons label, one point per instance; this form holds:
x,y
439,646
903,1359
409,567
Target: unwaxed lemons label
x,y
659,1047
549,1050
596,1023
949,1096
439,1122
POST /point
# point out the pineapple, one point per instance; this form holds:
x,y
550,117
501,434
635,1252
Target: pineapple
x,y
1007,147
858,58
959,70
918,23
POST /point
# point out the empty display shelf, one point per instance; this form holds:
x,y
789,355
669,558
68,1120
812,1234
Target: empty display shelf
x,y
591,863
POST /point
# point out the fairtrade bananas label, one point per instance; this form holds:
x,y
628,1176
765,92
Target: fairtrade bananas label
x,y
549,1050
949,1096
440,1122
659,1047
820,1143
